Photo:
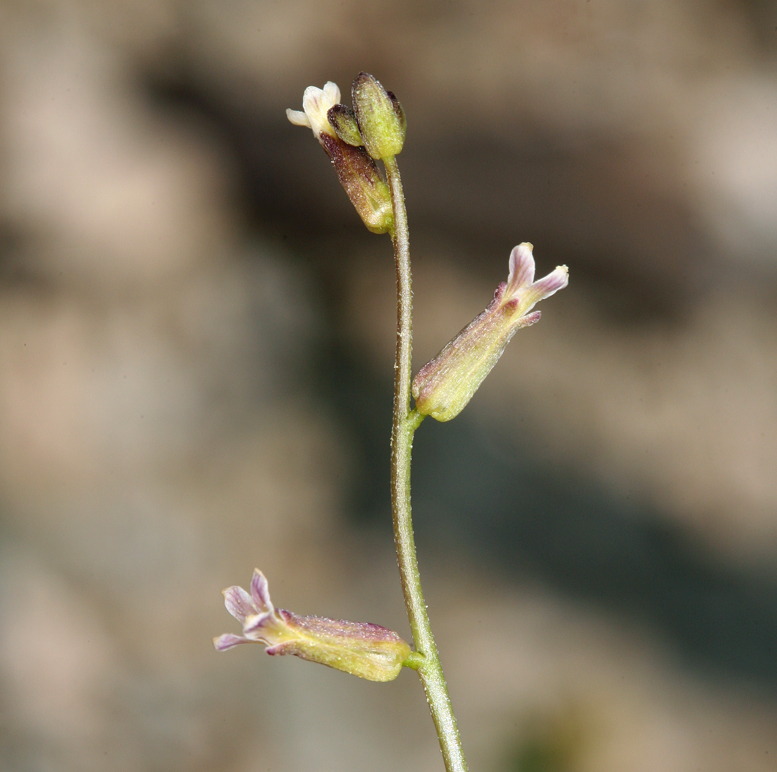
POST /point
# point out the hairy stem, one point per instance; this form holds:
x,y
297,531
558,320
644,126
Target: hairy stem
x,y
406,421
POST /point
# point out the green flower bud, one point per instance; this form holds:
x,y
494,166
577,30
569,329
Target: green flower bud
x,y
359,648
356,171
381,119
444,386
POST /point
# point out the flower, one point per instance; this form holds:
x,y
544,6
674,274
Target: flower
x,y
356,171
359,648
445,385
316,103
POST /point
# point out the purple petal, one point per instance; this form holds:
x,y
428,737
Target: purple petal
x,y
239,603
227,641
256,623
521,267
260,592
551,283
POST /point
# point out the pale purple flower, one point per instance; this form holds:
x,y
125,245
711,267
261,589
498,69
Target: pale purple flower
x,y
443,387
360,648
261,622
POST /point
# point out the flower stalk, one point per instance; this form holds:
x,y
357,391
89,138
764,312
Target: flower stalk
x,y
405,422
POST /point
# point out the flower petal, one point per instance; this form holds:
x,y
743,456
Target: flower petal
x,y
260,592
331,92
239,603
316,103
543,288
227,641
298,118
521,268
260,627
551,283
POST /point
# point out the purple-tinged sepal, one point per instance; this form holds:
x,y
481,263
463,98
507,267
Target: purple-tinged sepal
x,y
445,385
359,648
343,121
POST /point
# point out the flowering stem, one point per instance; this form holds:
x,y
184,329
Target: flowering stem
x,y
406,421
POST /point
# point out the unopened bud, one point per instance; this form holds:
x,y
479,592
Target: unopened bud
x,y
444,386
359,648
381,119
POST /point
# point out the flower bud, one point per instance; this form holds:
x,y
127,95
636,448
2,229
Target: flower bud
x,y
444,386
356,171
381,119
359,648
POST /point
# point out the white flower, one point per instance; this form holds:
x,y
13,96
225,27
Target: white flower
x,y
316,103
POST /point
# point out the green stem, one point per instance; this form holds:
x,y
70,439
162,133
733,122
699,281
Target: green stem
x,y
406,421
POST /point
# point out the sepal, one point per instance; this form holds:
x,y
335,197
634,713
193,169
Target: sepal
x,y
380,116
343,121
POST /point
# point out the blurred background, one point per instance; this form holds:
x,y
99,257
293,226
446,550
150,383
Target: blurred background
x,y
196,338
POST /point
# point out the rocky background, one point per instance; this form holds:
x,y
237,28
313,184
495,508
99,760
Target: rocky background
x,y
196,341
